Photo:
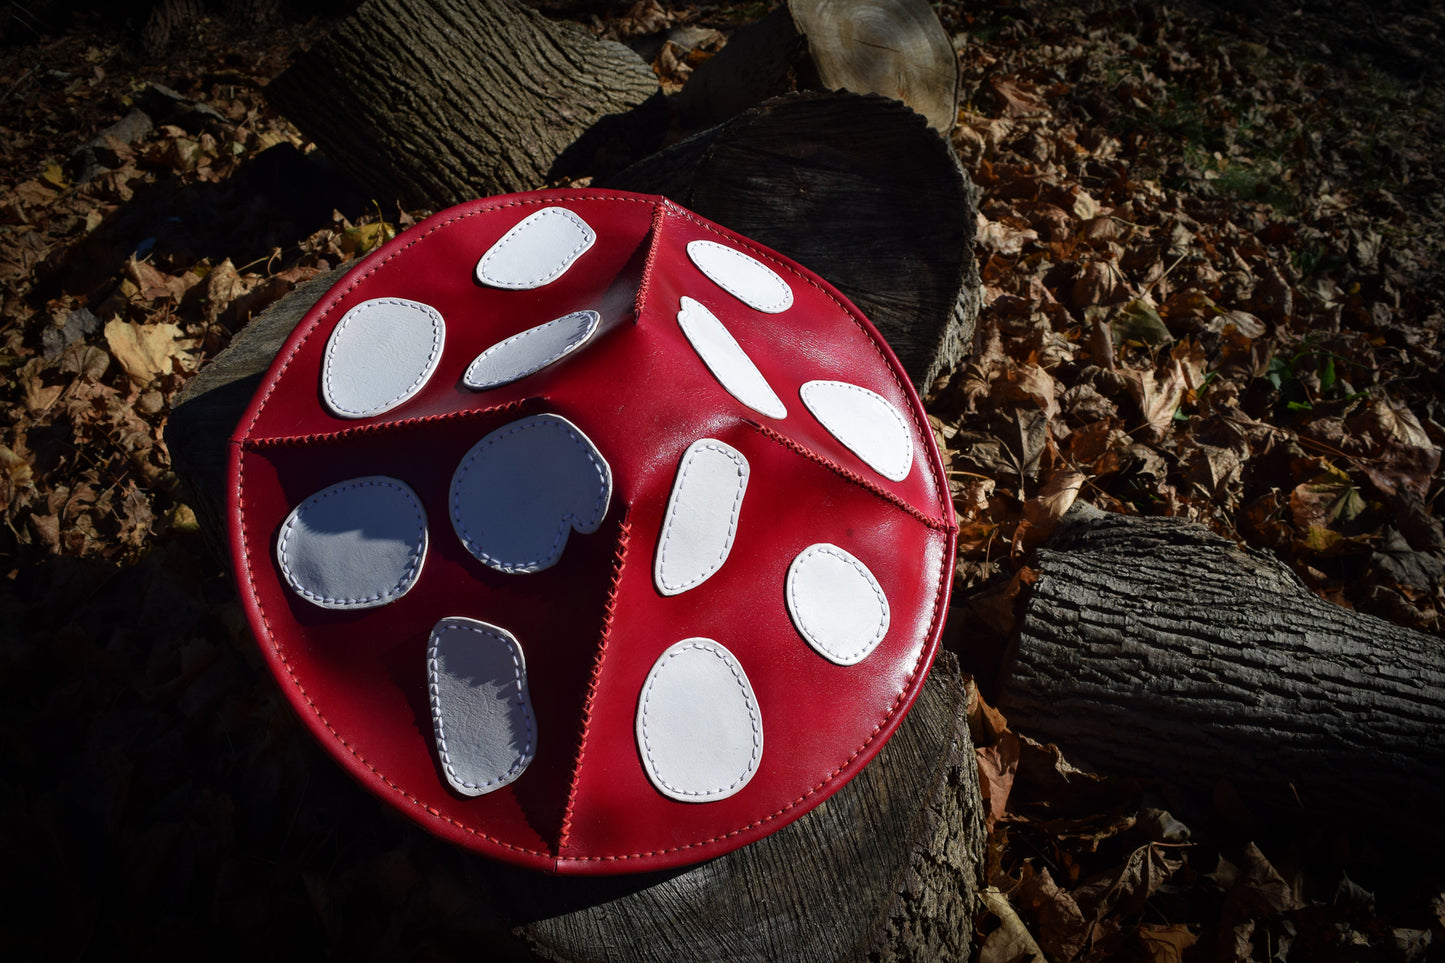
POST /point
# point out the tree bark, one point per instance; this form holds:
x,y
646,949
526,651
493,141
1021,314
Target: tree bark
x,y
1152,647
435,102
896,48
857,188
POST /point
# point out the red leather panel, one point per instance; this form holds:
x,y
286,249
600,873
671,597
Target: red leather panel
x,y
593,625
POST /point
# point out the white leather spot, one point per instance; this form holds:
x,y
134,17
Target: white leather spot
x,y
481,708
741,275
529,352
380,354
864,421
836,603
726,359
520,490
537,251
355,545
701,520
699,730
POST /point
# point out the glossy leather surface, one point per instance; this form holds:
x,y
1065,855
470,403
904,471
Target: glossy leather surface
x,y
594,624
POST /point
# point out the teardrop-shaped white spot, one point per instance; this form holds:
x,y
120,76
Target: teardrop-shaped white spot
x,y
726,359
481,708
529,352
701,519
355,545
742,275
699,730
520,490
836,603
864,421
537,251
381,353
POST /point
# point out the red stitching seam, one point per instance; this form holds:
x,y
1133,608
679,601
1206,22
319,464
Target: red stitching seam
x,y
859,480
945,500
291,441
619,559
654,242
411,242
933,626
255,595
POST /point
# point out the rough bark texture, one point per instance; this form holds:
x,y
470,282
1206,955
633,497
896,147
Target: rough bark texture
x,y
857,188
440,101
896,48
1153,647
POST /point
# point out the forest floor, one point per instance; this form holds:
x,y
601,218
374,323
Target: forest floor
x,y
1214,266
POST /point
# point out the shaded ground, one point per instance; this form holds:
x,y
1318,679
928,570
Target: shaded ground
x,y
1213,267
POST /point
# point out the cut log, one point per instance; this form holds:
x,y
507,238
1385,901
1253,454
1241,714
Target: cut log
x,y
896,48
857,188
435,102
1151,647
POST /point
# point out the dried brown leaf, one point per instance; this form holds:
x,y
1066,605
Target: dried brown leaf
x,y
148,351
1011,942
1164,944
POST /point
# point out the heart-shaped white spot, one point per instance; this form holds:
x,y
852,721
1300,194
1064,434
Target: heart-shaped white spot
x,y
537,251
354,545
381,353
836,603
699,729
522,488
529,352
866,422
481,708
726,359
741,275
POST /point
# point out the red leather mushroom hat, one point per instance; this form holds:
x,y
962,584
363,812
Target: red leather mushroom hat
x,y
590,535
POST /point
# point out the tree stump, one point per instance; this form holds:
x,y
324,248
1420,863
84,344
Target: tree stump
x,y
1151,647
857,188
896,48
436,102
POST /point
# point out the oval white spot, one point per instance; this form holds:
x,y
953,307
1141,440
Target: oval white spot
x,y
726,359
699,730
701,519
865,422
355,545
481,708
741,275
520,490
380,354
529,352
537,251
836,603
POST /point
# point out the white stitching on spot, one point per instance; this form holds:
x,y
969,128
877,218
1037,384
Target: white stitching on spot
x,y
513,374
904,445
408,576
689,458
785,293
438,328
588,237
524,758
796,608
754,716
569,521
